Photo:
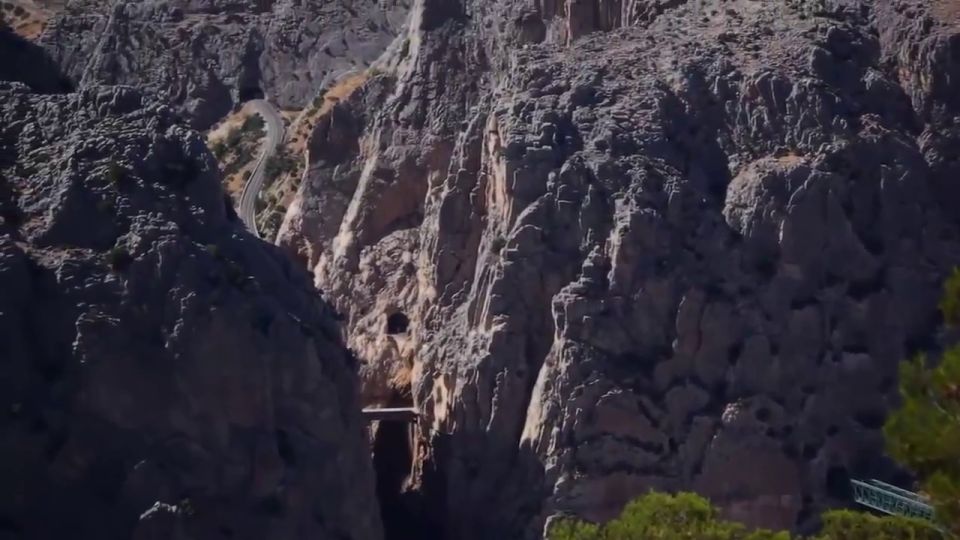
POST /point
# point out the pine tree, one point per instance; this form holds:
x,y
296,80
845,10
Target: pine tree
x,y
924,433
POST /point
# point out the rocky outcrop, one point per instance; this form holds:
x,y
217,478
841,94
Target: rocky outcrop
x,y
165,374
646,244
205,56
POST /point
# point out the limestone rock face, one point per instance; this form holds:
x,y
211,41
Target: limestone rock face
x,y
165,374
641,244
206,55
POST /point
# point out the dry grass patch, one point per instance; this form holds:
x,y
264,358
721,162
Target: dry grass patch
x,y
221,129
236,141
947,11
27,17
303,125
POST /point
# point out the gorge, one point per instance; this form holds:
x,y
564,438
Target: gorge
x,y
601,247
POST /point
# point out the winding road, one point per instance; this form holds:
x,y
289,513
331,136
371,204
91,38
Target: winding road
x,y
274,138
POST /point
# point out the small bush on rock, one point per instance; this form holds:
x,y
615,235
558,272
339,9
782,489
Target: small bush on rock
x,y
219,150
279,164
234,136
253,123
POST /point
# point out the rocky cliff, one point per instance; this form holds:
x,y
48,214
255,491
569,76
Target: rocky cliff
x,y
204,56
612,245
164,374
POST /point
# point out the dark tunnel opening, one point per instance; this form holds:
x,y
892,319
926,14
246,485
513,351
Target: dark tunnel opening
x,y
838,483
247,93
397,323
392,462
401,507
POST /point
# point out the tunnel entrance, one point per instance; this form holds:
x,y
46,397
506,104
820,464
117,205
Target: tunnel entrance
x,y
400,505
397,323
393,462
247,93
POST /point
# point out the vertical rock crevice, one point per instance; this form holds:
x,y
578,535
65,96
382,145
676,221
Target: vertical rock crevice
x,y
401,506
393,463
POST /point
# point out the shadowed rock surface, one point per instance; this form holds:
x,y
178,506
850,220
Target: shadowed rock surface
x,y
164,374
204,56
641,244
25,62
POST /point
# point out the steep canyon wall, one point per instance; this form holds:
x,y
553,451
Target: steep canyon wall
x,y
648,244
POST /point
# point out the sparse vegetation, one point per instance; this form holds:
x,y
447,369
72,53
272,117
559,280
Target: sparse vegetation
x,y
253,124
850,525
236,147
234,138
659,516
269,221
280,163
219,149
285,170
687,516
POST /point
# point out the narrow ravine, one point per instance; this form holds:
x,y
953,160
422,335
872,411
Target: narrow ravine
x,y
401,506
392,463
